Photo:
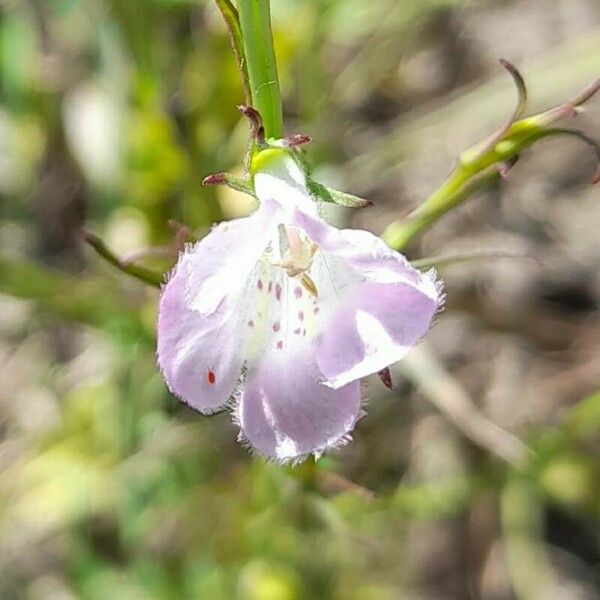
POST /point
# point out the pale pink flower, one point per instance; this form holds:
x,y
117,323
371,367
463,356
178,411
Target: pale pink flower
x,y
278,316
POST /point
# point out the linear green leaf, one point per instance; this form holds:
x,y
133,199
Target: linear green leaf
x,y
232,21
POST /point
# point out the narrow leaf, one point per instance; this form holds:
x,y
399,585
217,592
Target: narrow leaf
x,y
232,21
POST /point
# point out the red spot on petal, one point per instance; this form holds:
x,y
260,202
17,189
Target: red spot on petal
x,y
301,315
298,292
210,377
278,292
276,326
259,284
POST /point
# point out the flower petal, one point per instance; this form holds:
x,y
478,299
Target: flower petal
x,y
220,263
376,305
202,323
374,326
360,250
286,413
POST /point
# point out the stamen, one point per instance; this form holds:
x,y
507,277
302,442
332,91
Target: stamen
x,y
309,285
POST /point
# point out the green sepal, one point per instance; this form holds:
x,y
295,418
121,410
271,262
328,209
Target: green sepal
x,y
240,184
301,157
318,191
326,194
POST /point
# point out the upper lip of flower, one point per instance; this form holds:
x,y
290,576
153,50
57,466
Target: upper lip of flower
x,y
287,314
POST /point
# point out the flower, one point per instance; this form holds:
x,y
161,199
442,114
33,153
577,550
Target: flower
x,y
278,316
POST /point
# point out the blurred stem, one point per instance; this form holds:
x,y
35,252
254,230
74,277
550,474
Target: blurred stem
x,y
87,300
307,473
142,273
522,528
423,368
452,259
255,23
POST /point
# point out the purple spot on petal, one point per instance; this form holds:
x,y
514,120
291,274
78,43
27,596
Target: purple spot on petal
x,y
278,292
270,286
280,345
298,292
304,333
259,284
251,323
297,331
276,326
301,315
316,310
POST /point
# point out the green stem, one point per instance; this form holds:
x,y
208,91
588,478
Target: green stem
x,y
486,162
255,22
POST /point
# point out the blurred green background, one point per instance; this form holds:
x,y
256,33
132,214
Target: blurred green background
x,y
111,113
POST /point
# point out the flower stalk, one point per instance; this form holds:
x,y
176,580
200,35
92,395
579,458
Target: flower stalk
x,y
257,36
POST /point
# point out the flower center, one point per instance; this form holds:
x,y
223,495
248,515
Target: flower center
x,y
286,308
297,251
